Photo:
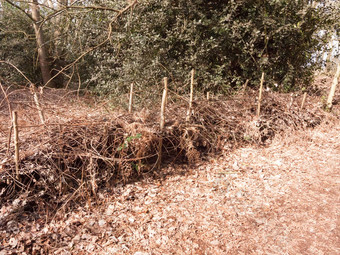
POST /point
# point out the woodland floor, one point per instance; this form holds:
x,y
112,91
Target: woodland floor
x,y
282,198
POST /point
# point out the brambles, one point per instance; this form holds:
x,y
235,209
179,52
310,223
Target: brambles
x,y
127,140
87,152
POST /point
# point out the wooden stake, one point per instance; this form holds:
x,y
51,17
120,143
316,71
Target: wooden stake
x,y
260,96
162,122
291,101
16,143
192,87
37,104
131,98
9,138
333,87
191,94
11,117
163,105
245,86
208,95
303,100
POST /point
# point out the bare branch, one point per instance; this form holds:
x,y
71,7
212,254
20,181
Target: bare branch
x,y
18,7
102,8
17,69
107,39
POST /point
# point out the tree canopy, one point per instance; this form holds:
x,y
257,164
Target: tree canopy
x,y
106,45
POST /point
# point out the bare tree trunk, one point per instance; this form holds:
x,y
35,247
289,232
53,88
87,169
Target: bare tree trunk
x,y
42,52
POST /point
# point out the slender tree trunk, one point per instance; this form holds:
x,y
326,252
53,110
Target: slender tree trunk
x,y
42,51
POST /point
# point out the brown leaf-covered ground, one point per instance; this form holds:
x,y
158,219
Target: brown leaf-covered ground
x,y
282,199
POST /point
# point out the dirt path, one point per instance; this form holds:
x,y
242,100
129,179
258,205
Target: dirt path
x,y
278,200
284,199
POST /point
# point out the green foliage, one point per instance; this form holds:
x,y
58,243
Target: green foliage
x,y
128,140
17,44
226,42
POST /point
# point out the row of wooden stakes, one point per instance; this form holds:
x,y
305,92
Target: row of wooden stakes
x,y
162,112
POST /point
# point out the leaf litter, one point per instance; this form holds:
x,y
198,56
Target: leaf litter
x,y
244,198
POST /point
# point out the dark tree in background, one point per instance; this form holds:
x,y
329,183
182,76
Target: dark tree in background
x,y
226,42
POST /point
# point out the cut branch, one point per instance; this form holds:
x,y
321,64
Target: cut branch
x,y
191,94
333,87
16,143
131,98
37,104
260,96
